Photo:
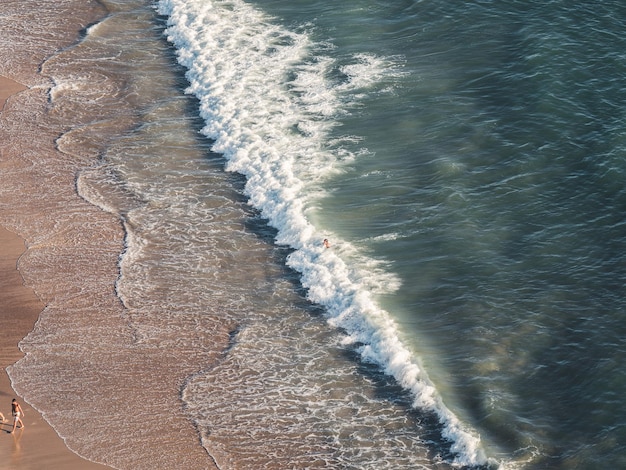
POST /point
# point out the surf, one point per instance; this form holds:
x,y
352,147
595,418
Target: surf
x,y
270,99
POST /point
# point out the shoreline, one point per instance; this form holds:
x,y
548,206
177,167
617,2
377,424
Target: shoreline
x,y
37,445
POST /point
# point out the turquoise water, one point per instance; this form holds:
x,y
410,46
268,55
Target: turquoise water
x,y
466,162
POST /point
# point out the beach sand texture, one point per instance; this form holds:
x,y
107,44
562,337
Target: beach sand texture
x,y
36,446
66,286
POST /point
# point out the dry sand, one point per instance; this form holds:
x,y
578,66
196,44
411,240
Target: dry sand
x,y
37,446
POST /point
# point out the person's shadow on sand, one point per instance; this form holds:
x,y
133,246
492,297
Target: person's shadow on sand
x,y
4,422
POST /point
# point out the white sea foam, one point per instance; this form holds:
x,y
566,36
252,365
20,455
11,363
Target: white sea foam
x,y
269,103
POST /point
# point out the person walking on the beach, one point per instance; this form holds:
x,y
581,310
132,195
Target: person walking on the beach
x,y
18,412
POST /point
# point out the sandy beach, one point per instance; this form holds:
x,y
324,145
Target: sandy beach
x,y
7,88
37,445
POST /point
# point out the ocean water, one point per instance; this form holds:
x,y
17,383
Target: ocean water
x,y
180,162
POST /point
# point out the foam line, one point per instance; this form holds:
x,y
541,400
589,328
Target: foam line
x,y
269,104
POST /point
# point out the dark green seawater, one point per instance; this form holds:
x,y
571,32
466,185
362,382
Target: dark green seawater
x,y
494,188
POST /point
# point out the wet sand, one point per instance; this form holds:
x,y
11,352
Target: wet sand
x,y
7,88
37,445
